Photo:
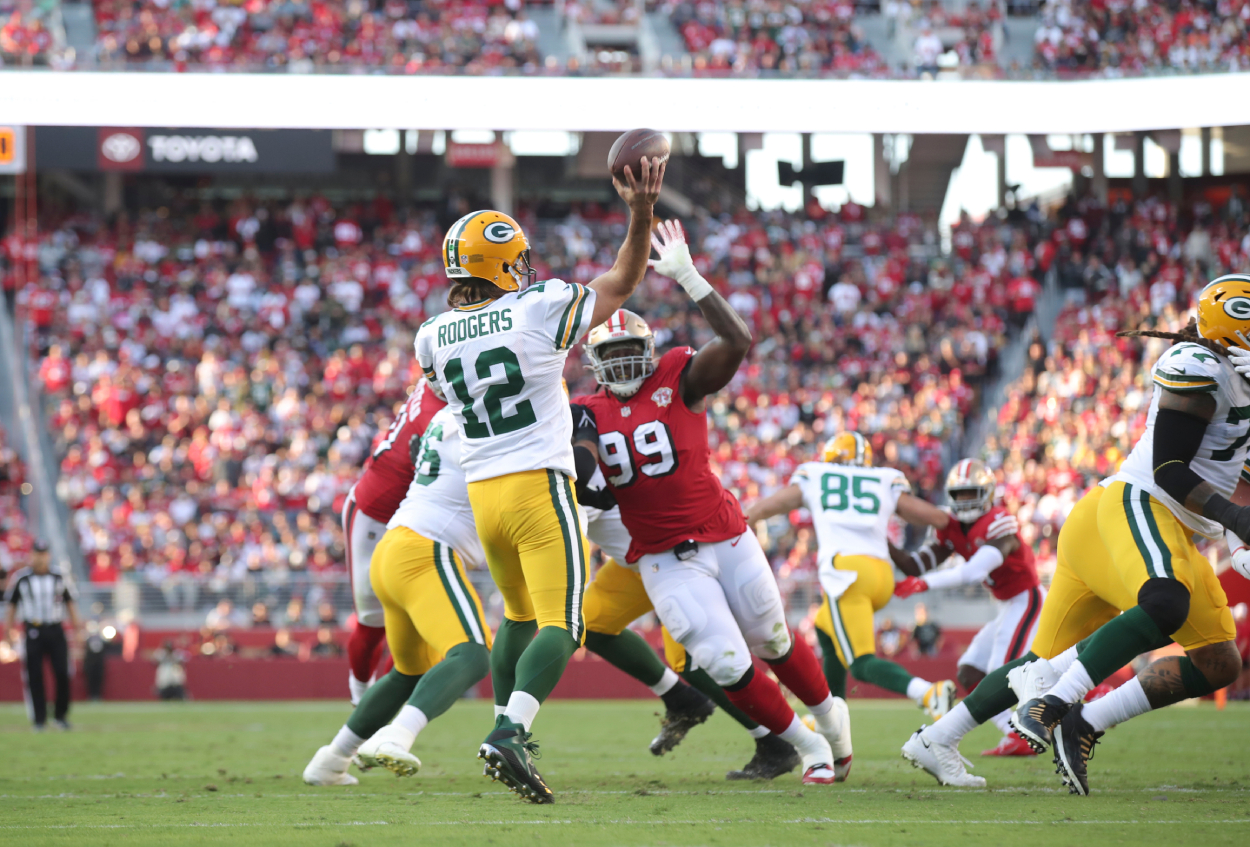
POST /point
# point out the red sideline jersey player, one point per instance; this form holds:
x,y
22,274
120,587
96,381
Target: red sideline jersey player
x,y
369,506
703,570
988,538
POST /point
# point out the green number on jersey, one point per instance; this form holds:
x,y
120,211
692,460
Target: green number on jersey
x,y
834,496
1229,451
429,462
496,393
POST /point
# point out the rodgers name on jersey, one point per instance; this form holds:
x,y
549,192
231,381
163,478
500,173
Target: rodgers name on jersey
x,y
1191,369
654,452
437,502
1017,572
851,507
500,364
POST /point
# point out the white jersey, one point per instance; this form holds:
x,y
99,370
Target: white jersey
x,y
500,364
1189,368
605,527
437,502
851,507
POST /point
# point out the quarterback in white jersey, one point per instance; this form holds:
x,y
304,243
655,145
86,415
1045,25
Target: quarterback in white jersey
x,y
434,623
498,357
851,504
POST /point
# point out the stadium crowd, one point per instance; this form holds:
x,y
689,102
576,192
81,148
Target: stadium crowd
x,y
1129,38
215,375
15,537
24,35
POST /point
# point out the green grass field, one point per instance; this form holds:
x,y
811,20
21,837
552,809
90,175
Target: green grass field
x,y
229,773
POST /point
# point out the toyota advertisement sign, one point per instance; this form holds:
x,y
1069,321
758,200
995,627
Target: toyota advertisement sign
x,y
185,150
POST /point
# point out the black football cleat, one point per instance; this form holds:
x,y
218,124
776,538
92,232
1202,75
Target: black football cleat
x,y
1075,740
773,757
687,707
1036,719
509,755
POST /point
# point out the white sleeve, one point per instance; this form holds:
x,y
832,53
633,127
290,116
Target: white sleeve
x,y
566,310
972,571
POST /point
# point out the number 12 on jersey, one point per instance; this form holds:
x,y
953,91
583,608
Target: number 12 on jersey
x,y
837,491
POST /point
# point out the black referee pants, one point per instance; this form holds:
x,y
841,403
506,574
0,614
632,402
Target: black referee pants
x,y
47,642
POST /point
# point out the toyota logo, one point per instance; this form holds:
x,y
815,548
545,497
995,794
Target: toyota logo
x,y
121,147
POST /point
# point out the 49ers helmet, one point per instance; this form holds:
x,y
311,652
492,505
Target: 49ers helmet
x,y
1224,311
488,245
970,475
847,448
622,375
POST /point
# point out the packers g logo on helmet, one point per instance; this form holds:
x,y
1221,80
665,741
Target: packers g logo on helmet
x,y
847,448
1224,311
488,245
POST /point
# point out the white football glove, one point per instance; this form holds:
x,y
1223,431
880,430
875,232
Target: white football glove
x,y
1240,552
1240,358
669,240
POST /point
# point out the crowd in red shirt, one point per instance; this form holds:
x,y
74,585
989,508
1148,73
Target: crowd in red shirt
x,y
476,36
24,39
1117,37
15,536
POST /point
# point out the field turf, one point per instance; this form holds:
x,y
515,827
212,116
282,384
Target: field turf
x,y
229,773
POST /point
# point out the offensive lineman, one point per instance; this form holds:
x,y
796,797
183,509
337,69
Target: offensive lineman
x,y
499,357
1129,577
705,572
434,624
851,503
987,537
370,504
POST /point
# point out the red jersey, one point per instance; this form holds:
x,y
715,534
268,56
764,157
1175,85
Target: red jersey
x,y
1017,573
388,474
653,451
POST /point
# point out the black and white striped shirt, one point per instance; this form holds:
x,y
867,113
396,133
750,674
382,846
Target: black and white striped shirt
x,y
39,598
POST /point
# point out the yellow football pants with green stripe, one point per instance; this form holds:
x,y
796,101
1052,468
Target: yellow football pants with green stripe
x,y
1114,540
532,533
428,603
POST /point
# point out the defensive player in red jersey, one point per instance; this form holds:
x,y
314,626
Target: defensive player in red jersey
x,y
369,505
988,538
706,574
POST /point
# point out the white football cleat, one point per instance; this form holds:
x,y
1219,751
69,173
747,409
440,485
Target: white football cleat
x,y
941,761
939,699
840,740
389,748
328,768
1031,680
820,774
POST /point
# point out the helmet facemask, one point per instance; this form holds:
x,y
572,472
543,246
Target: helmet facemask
x,y
621,365
968,503
521,271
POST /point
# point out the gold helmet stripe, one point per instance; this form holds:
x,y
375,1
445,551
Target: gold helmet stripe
x,y
566,326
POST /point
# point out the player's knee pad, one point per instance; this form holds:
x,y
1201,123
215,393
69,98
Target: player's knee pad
x,y
724,661
762,597
681,614
777,645
472,657
1166,602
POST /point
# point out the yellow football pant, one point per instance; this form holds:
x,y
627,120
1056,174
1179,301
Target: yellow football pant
x,y
615,598
428,602
1114,540
532,533
848,622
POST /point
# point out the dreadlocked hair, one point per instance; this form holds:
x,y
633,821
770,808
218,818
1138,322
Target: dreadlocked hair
x,y
472,290
1189,334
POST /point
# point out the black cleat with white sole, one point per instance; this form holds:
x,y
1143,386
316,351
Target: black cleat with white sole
x,y
1075,740
509,755
1036,719
773,757
686,708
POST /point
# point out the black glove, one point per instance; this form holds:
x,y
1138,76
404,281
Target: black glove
x,y
414,449
601,498
1236,519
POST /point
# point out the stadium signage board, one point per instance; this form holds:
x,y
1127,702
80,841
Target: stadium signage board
x,y
136,149
12,149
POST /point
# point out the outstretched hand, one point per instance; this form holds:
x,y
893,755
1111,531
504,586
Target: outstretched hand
x,y
911,585
669,240
640,193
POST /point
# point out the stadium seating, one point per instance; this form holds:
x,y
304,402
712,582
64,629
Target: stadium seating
x,y
25,38
15,538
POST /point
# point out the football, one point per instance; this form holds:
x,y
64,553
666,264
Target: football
x,y
630,148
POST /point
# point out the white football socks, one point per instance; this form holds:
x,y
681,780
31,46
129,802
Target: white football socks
x,y
812,747
411,720
1126,702
1073,685
499,710
346,742
759,732
522,709
916,689
665,684
1064,660
952,726
822,708
1003,721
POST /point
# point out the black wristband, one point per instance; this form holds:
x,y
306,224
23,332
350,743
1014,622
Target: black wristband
x,y
1222,511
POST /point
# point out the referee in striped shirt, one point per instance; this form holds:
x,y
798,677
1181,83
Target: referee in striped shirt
x,y
42,600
